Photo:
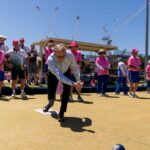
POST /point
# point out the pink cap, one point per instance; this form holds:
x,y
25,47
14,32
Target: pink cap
x,y
134,50
21,39
15,42
73,44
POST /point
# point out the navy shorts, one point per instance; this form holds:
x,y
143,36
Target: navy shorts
x,y
1,75
134,76
45,68
148,84
73,78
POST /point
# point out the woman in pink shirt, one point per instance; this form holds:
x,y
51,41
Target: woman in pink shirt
x,y
2,60
78,57
48,51
148,76
134,70
103,65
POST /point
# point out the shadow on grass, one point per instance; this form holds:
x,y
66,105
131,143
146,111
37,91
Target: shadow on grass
x,y
76,101
143,98
85,94
109,96
4,99
19,98
77,124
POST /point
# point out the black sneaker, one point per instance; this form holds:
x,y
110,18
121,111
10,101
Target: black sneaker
x,y
46,108
80,99
61,117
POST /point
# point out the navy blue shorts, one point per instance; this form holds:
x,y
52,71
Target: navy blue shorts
x,y
73,78
45,68
134,76
1,75
148,84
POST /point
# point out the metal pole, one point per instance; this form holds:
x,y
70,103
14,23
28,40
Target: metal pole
x,y
147,33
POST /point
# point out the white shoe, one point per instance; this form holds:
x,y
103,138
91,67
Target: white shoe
x,y
103,95
13,95
70,98
131,95
23,95
99,94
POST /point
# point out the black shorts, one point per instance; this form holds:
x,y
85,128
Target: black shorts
x,y
18,73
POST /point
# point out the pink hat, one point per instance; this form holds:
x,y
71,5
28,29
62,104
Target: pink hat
x,y
15,42
134,50
21,39
73,44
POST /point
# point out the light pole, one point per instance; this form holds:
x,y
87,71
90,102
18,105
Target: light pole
x,y
147,33
74,36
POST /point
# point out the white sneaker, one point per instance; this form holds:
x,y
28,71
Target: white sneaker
x,y
131,95
99,94
23,95
70,98
13,95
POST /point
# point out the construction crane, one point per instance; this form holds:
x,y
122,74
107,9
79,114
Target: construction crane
x,y
124,20
107,37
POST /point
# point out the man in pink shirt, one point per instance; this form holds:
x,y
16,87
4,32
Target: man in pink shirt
x,y
78,57
103,65
148,76
134,70
2,60
48,51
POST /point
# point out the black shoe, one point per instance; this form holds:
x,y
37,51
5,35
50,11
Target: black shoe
x,y
80,99
61,119
46,108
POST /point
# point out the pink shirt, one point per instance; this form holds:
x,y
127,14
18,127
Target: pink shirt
x,y
2,59
134,61
102,63
148,72
47,53
77,55
8,76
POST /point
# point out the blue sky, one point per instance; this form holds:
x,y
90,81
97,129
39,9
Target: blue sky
x,y
20,18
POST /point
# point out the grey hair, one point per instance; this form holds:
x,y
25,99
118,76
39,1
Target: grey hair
x,y
59,47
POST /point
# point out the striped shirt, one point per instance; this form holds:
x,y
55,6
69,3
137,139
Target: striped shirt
x,y
122,69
